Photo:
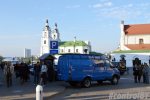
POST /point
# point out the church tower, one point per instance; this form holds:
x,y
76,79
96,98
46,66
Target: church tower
x,y
45,40
55,35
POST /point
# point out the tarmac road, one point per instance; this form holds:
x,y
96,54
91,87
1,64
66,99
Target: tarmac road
x,y
106,91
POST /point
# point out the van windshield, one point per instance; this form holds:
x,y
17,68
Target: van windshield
x,y
98,61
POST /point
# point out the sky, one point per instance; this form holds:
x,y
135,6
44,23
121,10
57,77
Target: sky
x,y
22,22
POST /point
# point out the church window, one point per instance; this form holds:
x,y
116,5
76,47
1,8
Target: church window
x,y
44,41
45,34
77,50
85,51
68,50
54,37
141,41
62,50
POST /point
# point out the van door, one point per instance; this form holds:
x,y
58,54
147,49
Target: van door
x,y
108,71
62,69
81,68
99,71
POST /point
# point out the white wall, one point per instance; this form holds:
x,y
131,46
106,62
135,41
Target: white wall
x,y
144,57
134,39
73,49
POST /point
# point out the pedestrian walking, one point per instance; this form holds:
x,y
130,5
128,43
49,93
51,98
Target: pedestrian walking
x,y
37,70
8,72
135,72
146,73
16,69
23,73
43,74
140,72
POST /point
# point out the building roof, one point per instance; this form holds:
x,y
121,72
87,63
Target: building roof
x,y
72,43
47,56
137,29
138,46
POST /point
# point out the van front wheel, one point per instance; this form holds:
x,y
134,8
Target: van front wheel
x,y
86,82
114,80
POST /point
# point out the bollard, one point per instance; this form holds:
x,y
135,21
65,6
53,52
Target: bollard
x,y
39,92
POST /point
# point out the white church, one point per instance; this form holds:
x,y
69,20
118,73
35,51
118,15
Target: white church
x,y
75,46
135,37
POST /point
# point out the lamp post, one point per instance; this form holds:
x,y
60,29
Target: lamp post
x,y
74,43
32,60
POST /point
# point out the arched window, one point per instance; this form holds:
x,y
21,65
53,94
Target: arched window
x,y
77,51
68,50
62,50
44,41
141,41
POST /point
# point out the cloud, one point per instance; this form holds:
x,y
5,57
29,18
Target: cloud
x,y
73,6
130,5
19,37
100,5
128,11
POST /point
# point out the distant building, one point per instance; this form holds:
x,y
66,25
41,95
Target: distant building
x,y
76,46
135,37
27,53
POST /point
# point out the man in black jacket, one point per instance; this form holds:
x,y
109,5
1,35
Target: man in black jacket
x,y
37,70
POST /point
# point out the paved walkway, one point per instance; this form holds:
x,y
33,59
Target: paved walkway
x,y
27,91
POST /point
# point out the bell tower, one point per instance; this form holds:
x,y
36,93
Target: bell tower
x,y
55,35
45,40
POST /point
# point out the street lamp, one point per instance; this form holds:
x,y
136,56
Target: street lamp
x,y
74,43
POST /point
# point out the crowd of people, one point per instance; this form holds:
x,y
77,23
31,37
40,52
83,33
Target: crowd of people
x,y
140,70
22,72
42,72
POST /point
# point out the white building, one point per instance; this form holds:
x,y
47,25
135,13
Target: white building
x,y
27,53
83,47
135,37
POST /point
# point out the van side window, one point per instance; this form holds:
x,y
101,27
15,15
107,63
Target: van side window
x,y
107,64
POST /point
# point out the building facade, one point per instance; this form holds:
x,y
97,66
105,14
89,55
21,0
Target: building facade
x,y
135,37
83,47
27,53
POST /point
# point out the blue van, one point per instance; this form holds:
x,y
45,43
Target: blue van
x,y
83,68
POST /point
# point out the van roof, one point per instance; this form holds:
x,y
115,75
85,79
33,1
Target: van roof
x,y
85,56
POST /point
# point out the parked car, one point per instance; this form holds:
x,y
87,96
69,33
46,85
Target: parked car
x,y
83,68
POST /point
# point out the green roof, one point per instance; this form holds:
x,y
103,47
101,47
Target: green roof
x,y
72,43
96,53
132,51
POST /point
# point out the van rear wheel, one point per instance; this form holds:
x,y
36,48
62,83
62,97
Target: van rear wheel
x,y
86,82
